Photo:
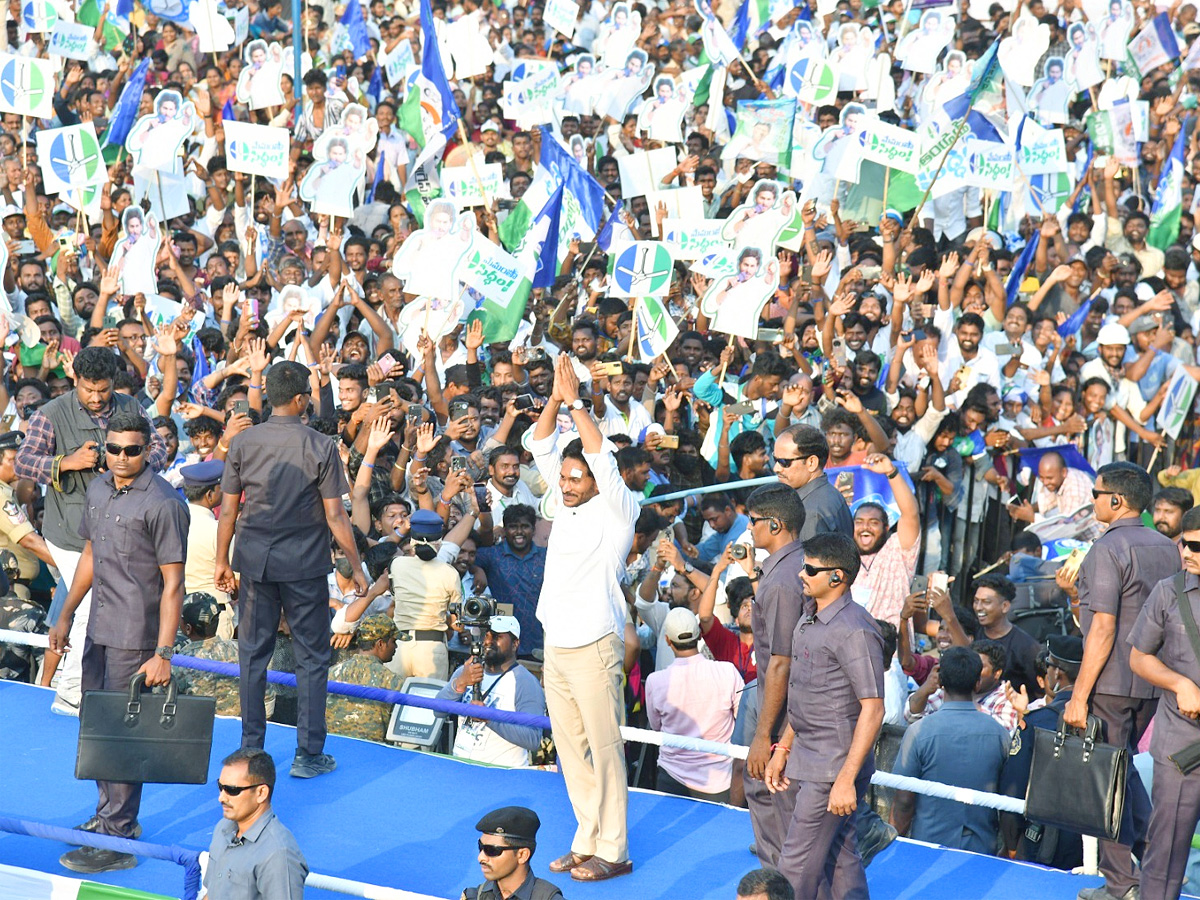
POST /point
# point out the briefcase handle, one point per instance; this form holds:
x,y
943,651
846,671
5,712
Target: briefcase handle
x,y
1091,734
133,709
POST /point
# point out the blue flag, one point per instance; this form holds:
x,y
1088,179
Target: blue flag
x,y
1076,320
1024,261
203,369
604,236
227,112
435,74
547,258
125,112
871,487
356,28
1071,457
985,79
565,169
378,178
741,25
375,86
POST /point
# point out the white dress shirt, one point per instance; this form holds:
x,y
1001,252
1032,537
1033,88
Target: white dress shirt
x,y
581,599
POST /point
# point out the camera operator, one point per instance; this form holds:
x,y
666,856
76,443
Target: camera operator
x,y
497,681
64,450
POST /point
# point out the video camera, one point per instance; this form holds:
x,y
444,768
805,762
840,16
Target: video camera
x,y
475,615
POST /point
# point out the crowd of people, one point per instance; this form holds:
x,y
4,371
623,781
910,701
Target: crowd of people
x,y
814,378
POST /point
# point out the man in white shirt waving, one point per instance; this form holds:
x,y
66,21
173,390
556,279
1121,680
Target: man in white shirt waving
x,y
582,610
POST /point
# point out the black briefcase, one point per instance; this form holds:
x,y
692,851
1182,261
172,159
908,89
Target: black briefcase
x,y
1076,782
138,738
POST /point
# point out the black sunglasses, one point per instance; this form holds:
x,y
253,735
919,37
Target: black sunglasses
x,y
234,789
813,571
786,461
1096,495
1191,546
754,520
130,450
493,850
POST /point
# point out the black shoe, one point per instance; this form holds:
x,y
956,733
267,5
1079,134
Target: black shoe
x,y
92,861
877,840
310,765
93,825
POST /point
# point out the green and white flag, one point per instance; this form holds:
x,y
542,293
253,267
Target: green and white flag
x,y
27,86
19,882
640,269
70,158
656,330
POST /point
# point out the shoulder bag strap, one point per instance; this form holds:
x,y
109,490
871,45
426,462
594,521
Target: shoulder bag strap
x,y
1185,613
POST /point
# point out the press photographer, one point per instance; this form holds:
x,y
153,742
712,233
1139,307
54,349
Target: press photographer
x,y
494,678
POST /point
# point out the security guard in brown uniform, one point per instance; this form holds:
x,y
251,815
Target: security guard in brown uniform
x,y
508,839
1164,647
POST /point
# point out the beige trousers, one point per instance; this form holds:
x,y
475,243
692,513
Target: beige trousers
x,y
421,659
583,697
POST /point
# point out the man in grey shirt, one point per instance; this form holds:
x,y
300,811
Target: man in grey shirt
x,y
253,856
134,527
1115,579
801,453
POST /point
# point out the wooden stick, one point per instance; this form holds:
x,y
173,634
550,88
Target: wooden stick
x,y
462,133
887,182
633,334
1153,459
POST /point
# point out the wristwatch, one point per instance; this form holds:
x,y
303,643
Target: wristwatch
x,y
688,568
577,403
165,652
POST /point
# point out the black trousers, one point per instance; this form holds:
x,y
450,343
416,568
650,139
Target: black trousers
x,y
110,669
667,784
1125,721
306,606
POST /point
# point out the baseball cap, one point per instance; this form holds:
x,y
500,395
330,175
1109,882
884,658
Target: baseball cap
x,y
489,125
682,626
505,625
1113,334
200,608
11,210
377,627
1142,323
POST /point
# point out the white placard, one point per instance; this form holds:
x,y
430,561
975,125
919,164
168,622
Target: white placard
x,y
561,16
257,149
644,170
71,40
460,184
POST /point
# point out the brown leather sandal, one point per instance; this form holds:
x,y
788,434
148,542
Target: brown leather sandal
x,y
597,869
568,862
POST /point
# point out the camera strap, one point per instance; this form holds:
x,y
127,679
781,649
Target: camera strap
x,y
1185,613
484,694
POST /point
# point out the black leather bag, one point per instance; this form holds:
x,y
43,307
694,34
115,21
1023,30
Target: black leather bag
x,y
1077,782
128,736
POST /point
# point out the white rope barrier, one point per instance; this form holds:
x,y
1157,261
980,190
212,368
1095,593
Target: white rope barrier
x,y
24,637
317,881
734,751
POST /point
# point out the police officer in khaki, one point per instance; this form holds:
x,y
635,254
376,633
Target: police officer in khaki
x,y
508,837
16,531
1164,646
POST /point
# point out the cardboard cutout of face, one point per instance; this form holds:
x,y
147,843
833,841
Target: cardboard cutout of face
x,y
134,254
734,303
758,221
260,83
428,259
155,139
339,168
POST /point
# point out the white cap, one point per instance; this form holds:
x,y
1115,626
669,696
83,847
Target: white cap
x,y
1113,334
504,625
681,626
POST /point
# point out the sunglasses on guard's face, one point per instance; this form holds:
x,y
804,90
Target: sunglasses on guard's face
x,y
131,450
234,789
492,850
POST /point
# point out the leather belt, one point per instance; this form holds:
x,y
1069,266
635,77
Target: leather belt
x,y
439,636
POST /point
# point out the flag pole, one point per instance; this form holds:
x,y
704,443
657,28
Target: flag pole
x,y
633,333
958,132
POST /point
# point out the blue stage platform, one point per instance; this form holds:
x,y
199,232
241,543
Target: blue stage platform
x,y
406,820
